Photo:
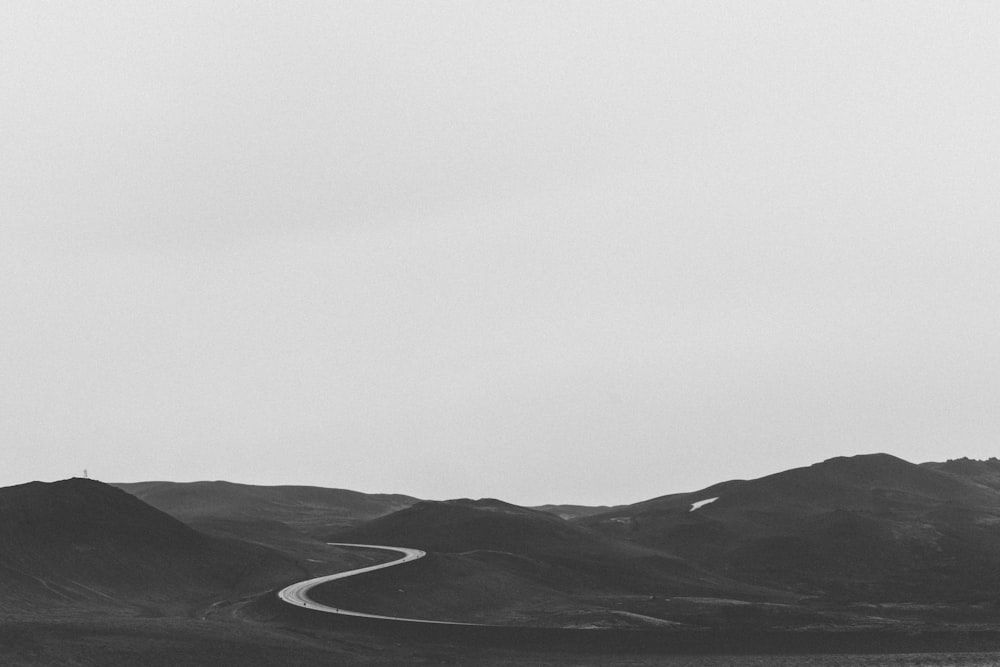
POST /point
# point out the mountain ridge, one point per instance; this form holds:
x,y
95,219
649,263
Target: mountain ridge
x,y
869,527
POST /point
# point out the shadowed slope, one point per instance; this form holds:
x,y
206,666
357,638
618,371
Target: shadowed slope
x,y
461,525
496,562
311,510
864,527
83,542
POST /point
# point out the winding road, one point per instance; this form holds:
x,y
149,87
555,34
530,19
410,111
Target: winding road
x,y
298,594
480,634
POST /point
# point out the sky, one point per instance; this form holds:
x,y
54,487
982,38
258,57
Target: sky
x,y
581,252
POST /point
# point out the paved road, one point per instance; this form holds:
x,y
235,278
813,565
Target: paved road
x,y
298,594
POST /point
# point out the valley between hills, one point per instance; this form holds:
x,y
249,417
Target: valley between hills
x,y
867,555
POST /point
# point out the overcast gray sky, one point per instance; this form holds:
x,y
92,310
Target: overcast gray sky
x,y
583,252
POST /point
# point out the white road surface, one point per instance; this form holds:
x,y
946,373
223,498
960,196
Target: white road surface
x,y
298,594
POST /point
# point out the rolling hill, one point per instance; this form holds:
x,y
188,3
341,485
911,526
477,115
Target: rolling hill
x,y
292,520
497,562
863,528
311,510
865,543
81,543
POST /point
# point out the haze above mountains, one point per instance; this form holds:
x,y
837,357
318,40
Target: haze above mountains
x,y
445,251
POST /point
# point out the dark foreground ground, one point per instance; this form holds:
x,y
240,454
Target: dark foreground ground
x,y
249,636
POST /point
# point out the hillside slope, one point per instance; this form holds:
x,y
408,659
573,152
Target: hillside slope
x,y
496,562
79,542
869,527
310,510
575,511
984,473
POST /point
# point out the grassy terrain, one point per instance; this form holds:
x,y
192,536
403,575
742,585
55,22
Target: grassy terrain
x,y
310,510
868,555
120,642
867,528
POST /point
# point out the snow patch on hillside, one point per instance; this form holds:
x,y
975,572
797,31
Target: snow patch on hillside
x,y
702,503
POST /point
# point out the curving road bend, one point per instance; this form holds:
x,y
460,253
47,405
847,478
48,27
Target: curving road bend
x,y
298,594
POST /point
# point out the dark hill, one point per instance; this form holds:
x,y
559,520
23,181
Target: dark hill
x,y
80,542
522,553
465,525
866,527
311,510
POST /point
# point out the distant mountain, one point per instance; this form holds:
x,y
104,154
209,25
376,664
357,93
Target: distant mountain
x,y
575,511
869,527
311,510
79,542
985,473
